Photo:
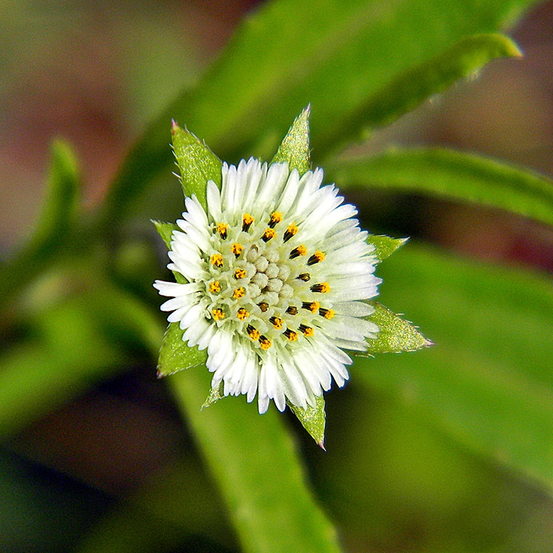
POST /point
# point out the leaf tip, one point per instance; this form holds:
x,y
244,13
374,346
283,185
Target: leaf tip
x,y
321,444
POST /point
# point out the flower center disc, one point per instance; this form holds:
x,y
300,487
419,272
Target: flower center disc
x,y
265,282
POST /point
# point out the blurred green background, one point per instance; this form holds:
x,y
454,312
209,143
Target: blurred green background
x,y
119,460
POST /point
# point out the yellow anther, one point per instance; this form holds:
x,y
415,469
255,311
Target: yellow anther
x,y
239,293
268,234
242,314
247,220
264,342
215,287
276,218
323,287
277,322
222,229
326,313
253,333
217,260
292,310
307,330
263,306
317,257
292,230
291,335
313,306
236,249
304,276
218,314
300,250
240,273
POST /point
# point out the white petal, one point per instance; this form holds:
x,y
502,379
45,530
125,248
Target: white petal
x,y
195,213
347,253
188,269
294,387
175,289
194,334
350,345
309,184
214,201
256,175
354,308
351,269
263,403
289,193
178,314
310,371
220,351
205,340
194,315
199,237
178,303
337,329
227,189
268,193
270,384
333,352
335,239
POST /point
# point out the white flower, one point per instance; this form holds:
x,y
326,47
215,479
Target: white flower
x,y
277,273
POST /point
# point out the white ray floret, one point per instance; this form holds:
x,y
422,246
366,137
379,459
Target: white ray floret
x,y
277,272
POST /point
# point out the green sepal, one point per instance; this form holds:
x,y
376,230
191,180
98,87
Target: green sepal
x,y
175,355
313,419
215,394
384,246
295,147
165,230
196,162
396,334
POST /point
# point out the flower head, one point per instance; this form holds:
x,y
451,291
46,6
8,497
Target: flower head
x,y
277,272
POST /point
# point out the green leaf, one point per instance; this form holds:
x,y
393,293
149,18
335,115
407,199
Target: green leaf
x,y
254,461
410,88
452,175
384,246
74,344
335,56
395,335
295,148
49,238
313,419
175,355
197,164
166,230
62,200
488,379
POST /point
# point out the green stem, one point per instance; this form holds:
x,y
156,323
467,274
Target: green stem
x,y
255,464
